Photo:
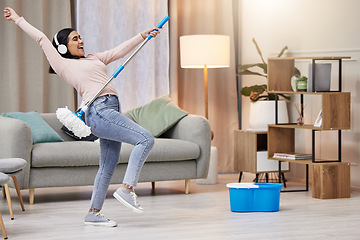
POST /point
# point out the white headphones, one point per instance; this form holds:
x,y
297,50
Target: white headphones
x,y
60,47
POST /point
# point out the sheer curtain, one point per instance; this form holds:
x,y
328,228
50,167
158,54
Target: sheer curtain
x,y
25,83
106,24
206,17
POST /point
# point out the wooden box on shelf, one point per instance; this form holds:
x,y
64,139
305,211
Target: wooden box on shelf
x,y
331,180
250,153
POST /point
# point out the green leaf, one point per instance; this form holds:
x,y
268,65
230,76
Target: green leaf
x,y
246,91
258,50
285,96
282,51
244,67
248,72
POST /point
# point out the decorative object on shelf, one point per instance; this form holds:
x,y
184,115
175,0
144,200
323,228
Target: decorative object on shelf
x,y
294,80
302,84
318,121
262,113
205,51
260,92
300,110
295,156
322,77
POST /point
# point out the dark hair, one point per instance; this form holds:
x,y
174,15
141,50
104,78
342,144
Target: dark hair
x,y
62,38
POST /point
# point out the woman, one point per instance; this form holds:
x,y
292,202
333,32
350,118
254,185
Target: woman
x,y
87,75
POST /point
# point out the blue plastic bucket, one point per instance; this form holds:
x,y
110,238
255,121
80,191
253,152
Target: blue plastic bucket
x,y
254,197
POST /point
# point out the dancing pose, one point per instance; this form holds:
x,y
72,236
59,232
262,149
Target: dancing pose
x,y
87,74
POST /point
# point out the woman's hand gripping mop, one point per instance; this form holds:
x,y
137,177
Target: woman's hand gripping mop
x,y
73,120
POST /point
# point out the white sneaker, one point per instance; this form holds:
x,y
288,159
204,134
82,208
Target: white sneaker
x,y
129,200
98,219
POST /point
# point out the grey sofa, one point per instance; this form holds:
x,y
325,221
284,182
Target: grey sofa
x,y
182,153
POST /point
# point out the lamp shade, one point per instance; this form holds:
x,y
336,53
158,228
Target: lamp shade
x,y
196,51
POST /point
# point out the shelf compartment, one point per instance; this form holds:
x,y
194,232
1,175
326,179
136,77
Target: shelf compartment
x,y
331,180
280,140
335,112
280,71
250,153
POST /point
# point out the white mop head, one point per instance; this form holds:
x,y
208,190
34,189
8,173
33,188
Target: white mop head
x,y
73,122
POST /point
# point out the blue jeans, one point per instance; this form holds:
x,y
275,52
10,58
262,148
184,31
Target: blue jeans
x,y
113,128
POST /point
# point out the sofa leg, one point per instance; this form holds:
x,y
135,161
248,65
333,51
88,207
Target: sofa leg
x,y
31,195
153,185
187,186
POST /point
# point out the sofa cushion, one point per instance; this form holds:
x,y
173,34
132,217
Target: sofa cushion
x,y
158,116
79,153
41,131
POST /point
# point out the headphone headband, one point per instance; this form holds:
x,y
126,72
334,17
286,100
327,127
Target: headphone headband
x,y
60,47
56,40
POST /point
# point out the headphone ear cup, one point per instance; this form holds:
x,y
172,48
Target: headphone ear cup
x,y
62,49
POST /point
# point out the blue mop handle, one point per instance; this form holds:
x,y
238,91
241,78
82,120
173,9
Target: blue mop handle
x,y
160,25
116,73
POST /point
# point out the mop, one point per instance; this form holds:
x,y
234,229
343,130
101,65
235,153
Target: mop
x,y
73,120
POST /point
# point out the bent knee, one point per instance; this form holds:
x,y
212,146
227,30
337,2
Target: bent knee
x,y
149,140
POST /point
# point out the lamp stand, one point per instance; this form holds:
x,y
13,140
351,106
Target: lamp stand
x,y
206,97
206,92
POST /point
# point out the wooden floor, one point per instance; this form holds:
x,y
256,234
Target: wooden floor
x,y
58,213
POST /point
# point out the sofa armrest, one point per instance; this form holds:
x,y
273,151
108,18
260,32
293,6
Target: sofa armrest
x,y
16,142
195,128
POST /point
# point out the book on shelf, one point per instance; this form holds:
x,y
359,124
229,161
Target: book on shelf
x,y
296,156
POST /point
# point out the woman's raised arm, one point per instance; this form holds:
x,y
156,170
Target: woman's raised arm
x,y
10,14
56,61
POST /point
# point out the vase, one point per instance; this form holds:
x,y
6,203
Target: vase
x,y
301,85
294,80
262,113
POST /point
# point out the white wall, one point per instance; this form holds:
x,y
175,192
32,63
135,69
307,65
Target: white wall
x,y
308,28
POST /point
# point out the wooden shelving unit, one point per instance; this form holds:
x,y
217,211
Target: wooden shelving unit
x,y
335,116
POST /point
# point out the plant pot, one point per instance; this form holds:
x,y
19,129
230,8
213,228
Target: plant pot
x,y
262,113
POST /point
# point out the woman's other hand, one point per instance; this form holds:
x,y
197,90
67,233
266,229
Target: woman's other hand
x,y
150,31
10,14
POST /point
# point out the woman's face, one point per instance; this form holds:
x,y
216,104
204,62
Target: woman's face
x,y
75,44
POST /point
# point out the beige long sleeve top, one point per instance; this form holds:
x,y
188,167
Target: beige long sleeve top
x,y
87,75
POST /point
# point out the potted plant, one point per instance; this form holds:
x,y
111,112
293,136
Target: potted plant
x,y
262,112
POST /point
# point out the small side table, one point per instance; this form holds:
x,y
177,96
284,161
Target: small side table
x,y
250,154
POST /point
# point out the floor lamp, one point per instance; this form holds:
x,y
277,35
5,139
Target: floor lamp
x,y
205,51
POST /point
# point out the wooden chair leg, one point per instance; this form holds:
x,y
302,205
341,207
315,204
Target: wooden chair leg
x,y
31,195
187,186
3,227
8,198
18,192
